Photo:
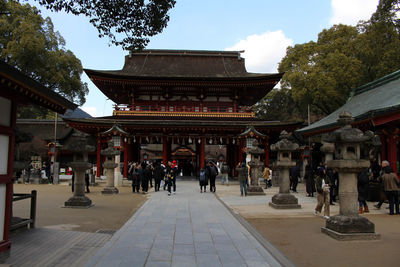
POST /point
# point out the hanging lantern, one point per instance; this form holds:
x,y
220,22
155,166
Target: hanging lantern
x,y
190,140
116,140
199,140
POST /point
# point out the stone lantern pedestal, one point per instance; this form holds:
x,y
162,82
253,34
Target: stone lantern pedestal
x,y
79,146
348,225
110,165
79,200
284,147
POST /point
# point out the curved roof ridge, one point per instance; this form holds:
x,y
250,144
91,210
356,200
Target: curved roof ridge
x,y
376,83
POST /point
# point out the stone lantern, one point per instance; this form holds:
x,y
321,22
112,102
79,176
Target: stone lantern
x,y
79,146
284,147
348,225
254,152
256,169
110,152
116,134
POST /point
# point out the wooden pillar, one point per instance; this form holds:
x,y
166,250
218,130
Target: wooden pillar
x,y
392,151
267,152
202,152
165,151
125,159
98,158
240,154
129,151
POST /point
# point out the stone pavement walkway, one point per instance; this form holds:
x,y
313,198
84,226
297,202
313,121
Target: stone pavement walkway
x,y
186,229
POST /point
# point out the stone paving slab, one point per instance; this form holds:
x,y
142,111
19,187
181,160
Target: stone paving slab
x,y
186,229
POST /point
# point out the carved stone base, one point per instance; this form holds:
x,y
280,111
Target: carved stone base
x,y
284,201
255,190
350,224
350,236
78,202
109,191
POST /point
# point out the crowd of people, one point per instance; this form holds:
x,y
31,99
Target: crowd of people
x,y
143,174
325,183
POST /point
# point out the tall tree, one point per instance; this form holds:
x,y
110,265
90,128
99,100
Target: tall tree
x,y
322,73
137,20
30,43
277,105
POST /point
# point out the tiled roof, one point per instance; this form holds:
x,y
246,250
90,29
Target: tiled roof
x,y
377,98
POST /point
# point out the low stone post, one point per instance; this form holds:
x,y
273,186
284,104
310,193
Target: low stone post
x,y
348,225
79,166
110,152
284,147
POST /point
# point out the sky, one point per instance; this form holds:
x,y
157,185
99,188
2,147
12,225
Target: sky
x,y
262,28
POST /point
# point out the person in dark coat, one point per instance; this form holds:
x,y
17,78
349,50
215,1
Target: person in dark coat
x,y
146,177
158,176
243,174
136,178
362,186
294,174
309,178
203,180
212,172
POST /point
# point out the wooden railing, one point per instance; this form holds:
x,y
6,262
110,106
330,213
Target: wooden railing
x,y
180,110
24,222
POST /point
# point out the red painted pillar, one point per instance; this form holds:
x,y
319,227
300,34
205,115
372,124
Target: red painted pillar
x,y
98,158
240,152
383,148
202,152
392,151
165,151
267,152
125,159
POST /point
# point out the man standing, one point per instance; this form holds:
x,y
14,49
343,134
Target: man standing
x,y
294,174
225,174
242,177
212,173
391,187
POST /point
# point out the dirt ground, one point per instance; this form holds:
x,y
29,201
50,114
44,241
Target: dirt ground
x,y
301,240
109,212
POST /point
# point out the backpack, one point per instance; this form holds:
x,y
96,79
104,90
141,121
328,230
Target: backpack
x,y
202,175
213,171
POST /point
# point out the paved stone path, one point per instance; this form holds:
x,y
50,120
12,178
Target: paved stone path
x,y
186,229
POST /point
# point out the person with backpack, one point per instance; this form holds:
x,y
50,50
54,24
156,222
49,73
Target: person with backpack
x,y
212,173
224,174
203,180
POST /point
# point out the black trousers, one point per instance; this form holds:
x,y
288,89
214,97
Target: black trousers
x,y
172,182
145,185
135,186
157,184
212,183
293,183
393,198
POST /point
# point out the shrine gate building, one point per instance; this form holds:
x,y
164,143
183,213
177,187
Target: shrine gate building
x,y
184,105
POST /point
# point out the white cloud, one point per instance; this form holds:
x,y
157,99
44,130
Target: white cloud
x,y
351,11
263,51
91,110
